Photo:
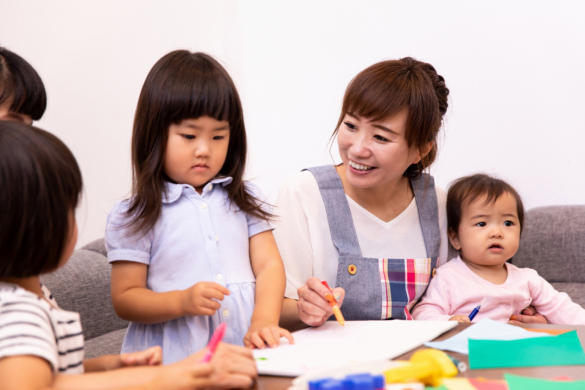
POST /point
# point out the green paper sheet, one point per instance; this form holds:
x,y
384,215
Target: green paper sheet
x,y
561,350
516,382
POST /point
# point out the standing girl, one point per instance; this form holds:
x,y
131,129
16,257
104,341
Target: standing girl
x,y
193,248
41,345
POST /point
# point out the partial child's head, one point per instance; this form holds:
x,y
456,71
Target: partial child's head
x,y
485,217
182,86
22,92
385,89
41,183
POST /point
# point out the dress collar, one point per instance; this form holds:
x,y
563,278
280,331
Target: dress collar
x,y
173,191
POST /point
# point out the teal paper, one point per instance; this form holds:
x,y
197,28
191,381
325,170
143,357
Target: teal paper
x,y
516,382
561,350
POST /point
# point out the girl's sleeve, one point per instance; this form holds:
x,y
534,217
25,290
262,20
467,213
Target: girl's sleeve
x,y
292,233
258,225
121,244
25,329
434,305
556,306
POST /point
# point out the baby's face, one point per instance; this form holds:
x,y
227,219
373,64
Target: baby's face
x,y
489,234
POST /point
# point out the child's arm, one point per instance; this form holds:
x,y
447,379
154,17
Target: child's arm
x,y
133,301
270,282
149,357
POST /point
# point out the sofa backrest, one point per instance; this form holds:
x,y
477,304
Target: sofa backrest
x,y
553,243
83,285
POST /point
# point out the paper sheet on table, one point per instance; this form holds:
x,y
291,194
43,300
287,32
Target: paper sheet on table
x,y
331,345
516,382
561,350
485,329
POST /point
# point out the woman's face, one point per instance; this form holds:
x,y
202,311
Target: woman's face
x,y
375,153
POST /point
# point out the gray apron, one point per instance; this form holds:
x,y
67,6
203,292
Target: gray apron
x,y
379,288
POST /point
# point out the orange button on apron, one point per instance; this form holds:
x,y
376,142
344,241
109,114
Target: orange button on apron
x,y
434,272
352,269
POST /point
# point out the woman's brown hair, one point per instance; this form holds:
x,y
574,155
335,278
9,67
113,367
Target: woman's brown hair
x,y
383,89
183,85
41,184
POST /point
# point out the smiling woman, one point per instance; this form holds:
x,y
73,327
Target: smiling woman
x,y
375,225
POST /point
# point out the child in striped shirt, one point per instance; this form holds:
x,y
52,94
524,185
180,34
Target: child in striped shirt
x,y
40,184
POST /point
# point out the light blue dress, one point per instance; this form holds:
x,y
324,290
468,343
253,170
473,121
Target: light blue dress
x,y
198,237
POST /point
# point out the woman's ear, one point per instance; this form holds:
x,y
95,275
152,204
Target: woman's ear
x,y
454,239
422,152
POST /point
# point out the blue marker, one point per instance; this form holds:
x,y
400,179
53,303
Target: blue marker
x,y
475,311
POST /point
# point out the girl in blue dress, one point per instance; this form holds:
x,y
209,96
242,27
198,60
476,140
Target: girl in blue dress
x,y
193,246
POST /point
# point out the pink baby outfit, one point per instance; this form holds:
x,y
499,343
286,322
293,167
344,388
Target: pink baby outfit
x,y
457,290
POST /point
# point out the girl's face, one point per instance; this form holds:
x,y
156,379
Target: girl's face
x,y
375,153
489,234
196,150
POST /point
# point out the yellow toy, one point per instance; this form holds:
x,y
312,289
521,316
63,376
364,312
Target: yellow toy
x,y
428,366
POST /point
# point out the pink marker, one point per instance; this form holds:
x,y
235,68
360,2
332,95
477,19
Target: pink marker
x,y
214,342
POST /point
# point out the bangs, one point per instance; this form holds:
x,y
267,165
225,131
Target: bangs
x,y
376,95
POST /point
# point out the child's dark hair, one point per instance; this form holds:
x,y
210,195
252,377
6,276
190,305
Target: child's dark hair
x,y
466,190
19,81
41,184
183,85
385,88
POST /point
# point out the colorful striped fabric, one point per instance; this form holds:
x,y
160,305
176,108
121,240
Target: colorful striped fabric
x,y
404,281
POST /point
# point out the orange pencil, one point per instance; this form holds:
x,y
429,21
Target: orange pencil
x,y
333,303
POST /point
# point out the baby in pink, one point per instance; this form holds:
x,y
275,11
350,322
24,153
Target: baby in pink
x,y
485,217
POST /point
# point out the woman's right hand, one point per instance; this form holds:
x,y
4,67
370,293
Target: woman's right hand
x,y
313,308
202,298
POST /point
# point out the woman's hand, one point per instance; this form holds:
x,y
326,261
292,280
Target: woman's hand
x,y
528,316
202,298
313,308
261,334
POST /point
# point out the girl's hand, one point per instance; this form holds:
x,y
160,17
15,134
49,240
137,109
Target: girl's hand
x,y
261,334
202,298
149,357
459,318
313,308
183,377
233,366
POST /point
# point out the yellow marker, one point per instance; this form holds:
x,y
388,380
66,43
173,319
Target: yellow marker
x,y
333,304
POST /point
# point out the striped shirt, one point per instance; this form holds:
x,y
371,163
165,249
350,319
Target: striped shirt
x,y
30,325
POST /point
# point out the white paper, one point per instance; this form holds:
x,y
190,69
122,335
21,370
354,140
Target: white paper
x,y
332,345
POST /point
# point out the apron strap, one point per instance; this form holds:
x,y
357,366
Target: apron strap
x,y
341,225
428,212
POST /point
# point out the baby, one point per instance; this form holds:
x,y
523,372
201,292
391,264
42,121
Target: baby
x,y
485,217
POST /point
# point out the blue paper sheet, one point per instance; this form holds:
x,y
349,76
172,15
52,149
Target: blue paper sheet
x,y
485,329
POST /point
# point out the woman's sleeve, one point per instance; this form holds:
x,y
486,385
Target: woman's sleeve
x,y
292,233
121,243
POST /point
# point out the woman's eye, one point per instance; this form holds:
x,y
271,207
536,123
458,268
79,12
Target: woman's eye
x,y
188,136
350,125
380,138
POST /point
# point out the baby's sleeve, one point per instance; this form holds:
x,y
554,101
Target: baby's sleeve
x,y
255,224
25,329
121,243
434,305
556,306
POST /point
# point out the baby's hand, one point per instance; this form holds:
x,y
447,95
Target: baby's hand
x,y
149,357
460,319
261,334
202,298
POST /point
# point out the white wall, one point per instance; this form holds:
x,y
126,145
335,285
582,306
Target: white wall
x,y
516,71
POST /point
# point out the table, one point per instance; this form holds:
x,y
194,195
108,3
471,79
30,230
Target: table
x,y
574,372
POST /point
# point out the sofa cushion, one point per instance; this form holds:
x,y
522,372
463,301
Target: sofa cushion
x,y
83,286
553,243
107,344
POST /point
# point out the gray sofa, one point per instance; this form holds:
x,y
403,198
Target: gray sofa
x,y
83,285
553,243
